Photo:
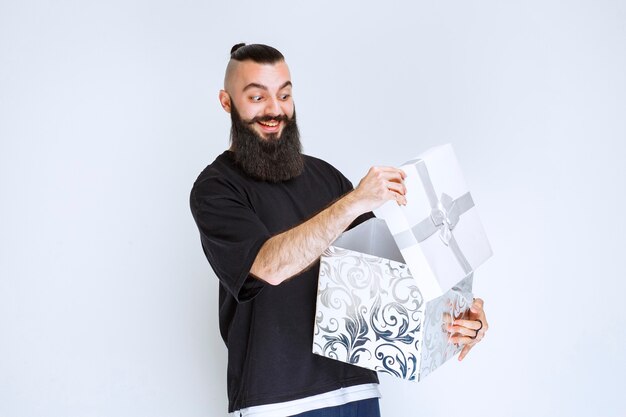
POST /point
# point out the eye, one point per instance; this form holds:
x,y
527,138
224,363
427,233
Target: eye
x,y
285,96
256,98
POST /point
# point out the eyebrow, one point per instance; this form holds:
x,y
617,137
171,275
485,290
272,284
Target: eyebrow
x,y
262,87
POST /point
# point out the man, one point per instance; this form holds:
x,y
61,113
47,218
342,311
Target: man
x,y
266,212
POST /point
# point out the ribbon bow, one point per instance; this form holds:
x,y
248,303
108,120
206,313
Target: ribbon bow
x,y
445,214
445,217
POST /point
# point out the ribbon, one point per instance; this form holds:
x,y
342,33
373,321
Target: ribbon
x,y
445,213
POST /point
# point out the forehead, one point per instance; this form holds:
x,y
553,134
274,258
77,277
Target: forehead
x,y
272,76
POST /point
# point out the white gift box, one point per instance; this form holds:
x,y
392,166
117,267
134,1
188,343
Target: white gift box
x,y
388,287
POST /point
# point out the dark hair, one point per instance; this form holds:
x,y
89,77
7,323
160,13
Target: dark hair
x,y
261,54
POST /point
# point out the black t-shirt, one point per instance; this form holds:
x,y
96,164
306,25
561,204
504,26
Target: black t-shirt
x,y
268,329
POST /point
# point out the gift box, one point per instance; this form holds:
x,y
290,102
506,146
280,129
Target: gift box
x,y
388,288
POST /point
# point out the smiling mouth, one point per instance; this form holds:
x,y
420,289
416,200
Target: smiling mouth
x,y
272,123
269,125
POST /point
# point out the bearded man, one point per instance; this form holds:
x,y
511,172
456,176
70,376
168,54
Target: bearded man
x,y
266,212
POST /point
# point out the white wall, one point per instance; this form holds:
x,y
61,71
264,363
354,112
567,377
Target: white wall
x,y
108,112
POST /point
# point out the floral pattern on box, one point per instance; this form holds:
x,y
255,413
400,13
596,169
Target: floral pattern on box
x,y
370,313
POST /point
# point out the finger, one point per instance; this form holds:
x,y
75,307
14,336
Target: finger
x,y
396,192
400,199
470,324
460,330
389,173
397,187
462,340
392,169
477,305
482,319
465,351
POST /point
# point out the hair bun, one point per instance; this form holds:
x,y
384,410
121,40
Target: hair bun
x,y
234,48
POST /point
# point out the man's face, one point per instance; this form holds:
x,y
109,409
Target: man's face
x,y
261,94
265,141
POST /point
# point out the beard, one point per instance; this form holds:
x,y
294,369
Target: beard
x,y
274,159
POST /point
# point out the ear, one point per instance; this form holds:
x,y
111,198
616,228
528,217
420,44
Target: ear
x,y
225,100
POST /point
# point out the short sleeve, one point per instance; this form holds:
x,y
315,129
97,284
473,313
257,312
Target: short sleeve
x,y
231,235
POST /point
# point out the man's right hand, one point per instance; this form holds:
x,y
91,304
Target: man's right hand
x,y
380,185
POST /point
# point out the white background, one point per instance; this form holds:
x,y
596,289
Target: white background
x,y
109,111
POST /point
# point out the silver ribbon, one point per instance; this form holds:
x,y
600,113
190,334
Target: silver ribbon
x,y
445,213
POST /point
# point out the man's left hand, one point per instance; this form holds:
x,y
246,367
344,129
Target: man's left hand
x,y
468,332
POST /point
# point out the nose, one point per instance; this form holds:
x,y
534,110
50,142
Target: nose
x,y
273,107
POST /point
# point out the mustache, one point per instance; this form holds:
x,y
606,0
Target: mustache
x,y
279,118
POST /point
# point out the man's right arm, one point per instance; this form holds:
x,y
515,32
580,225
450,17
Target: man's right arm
x,y
289,253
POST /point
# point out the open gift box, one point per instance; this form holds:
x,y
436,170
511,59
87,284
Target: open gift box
x,y
388,287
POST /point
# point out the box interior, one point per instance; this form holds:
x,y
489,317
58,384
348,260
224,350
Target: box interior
x,y
371,237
